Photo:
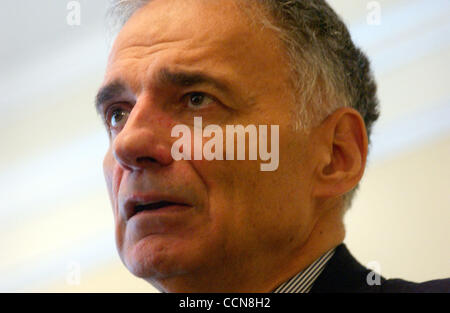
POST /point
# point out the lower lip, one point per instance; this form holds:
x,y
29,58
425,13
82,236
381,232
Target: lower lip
x,y
170,219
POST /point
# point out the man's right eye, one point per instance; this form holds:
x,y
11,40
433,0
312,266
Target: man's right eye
x,y
116,118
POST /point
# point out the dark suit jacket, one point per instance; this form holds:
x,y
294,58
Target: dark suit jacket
x,y
344,273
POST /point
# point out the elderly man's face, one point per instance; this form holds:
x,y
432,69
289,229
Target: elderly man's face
x,y
220,217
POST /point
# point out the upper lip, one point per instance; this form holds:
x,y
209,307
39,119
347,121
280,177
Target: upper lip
x,y
131,202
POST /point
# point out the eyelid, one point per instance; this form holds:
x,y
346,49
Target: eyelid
x,y
110,108
205,94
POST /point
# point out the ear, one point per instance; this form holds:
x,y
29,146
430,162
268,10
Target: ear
x,y
342,152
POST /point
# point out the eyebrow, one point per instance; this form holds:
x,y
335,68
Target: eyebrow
x,y
188,79
109,92
163,77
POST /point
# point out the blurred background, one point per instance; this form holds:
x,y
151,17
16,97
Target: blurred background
x,y
56,224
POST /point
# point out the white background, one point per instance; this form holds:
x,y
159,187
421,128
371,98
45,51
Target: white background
x,y
56,225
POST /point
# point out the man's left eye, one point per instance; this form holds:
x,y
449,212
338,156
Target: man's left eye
x,y
197,100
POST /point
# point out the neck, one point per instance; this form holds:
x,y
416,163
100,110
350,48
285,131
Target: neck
x,y
327,233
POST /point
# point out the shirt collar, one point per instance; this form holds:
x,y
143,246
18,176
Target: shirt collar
x,y
303,281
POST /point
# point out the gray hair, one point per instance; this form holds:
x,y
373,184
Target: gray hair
x,y
329,71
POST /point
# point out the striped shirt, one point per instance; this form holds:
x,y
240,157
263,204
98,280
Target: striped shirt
x,y
303,281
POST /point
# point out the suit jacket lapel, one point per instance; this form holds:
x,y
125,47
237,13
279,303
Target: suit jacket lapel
x,y
343,273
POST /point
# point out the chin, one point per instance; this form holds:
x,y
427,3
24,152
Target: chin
x,y
153,260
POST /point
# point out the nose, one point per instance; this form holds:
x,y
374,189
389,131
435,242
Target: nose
x,y
143,142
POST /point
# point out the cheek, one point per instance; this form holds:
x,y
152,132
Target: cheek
x,y
108,165
231,196
113,174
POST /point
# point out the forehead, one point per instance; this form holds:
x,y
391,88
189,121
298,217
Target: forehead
x,y
173,20
204,34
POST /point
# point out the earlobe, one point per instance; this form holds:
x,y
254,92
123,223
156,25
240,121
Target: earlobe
x,y
344,152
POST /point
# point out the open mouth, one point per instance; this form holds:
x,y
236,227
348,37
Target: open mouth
x,y
139,205
153,206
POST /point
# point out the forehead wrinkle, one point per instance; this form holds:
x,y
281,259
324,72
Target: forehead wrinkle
x,y
220,45
153,23
148,32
